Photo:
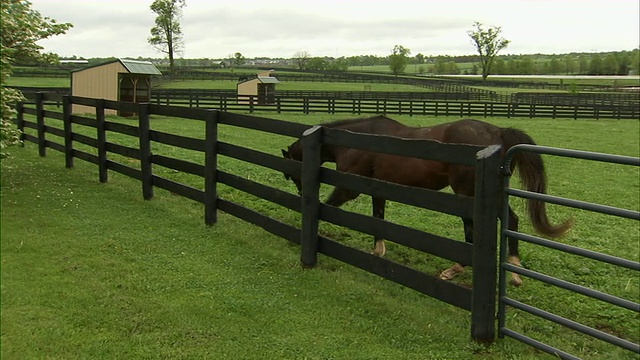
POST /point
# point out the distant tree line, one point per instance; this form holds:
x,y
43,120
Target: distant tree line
x,y
609,63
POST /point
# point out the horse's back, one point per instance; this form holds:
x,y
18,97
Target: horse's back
x,y
379,125
473,132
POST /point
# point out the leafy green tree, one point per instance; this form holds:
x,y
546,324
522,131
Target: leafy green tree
x,y
555,67
166,35
583,65
439,67
499,67
513,67
624,61
21,28
488,43
610,65
595,65
526,66
238,59
399,59
339,64
635,61
451,68
570,64
316,63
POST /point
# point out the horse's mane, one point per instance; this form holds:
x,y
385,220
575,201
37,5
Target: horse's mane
x,y
358,121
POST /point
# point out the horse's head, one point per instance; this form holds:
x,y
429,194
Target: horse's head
x,y
294,152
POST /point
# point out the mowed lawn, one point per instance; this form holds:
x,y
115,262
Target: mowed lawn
x,y
91,270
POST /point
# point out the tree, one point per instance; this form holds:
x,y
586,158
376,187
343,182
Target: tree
x,y
555,67
302,58
499,67
488,43
583,63
238,59
624,61
317,64
610,65
339,64
635,62
21,29
526,66
439,67
398,59
166,35
570,64
595,65
451,68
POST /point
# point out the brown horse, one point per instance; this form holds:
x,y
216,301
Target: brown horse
x,y
436,175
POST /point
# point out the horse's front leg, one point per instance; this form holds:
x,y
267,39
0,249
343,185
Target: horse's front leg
x,y
379,248
457,268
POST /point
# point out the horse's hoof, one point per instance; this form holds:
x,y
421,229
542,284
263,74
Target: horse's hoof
x,y
376,253
516,282
445,276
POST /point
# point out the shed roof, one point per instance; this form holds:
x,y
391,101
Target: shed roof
x,y
268,79
132,66
140,67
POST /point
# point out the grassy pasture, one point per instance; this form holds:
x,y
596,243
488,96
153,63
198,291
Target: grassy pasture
x,y
38,81
89,271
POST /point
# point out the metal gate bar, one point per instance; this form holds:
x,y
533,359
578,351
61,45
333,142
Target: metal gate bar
x,y
504,267
614,260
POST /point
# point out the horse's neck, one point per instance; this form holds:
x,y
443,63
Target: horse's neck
x,y
329,153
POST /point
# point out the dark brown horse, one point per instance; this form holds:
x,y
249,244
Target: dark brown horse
x,y
436,175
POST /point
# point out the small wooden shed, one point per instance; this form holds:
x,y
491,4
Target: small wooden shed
x,y
263,87
117,80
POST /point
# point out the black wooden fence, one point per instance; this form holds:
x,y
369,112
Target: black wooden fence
x,y
480,299
425,104
429,104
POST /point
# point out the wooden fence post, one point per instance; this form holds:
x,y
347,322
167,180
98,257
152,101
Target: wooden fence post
x,y
20,121
145,151
485,240
42,149
311,145
211,167
102,141
68,131
305,105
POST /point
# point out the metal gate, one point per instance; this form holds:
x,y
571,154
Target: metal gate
x,y
505,301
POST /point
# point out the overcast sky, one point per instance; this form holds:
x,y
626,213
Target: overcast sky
x,y
280,28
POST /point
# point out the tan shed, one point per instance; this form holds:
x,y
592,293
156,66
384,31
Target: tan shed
x,y
263,87
117,80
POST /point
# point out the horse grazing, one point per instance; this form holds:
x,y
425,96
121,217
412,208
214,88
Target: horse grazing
x,y
436,175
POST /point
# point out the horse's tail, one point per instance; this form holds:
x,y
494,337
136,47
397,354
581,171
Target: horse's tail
x,y
534,178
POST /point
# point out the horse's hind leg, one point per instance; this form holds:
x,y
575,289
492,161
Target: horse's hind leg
x,y
379,248
457,268
513,254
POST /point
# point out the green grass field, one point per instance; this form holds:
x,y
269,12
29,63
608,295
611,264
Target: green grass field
x,y
38,81
91,270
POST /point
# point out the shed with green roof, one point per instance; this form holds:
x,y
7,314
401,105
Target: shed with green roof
x,y
117,80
